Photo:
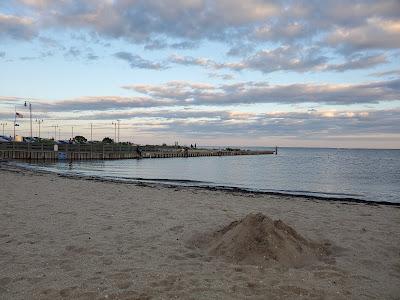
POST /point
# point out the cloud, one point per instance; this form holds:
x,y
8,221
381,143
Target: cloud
x,y
136,61
285,58
193,61
184,45
91,56
319,124
376,33
139,20
98,103
73,52
17,27
192,94
292,58
41,55
231,21
336,29
51,43
221,76
159,114
8,99
186,93
395,73
359,62
241,49
157,44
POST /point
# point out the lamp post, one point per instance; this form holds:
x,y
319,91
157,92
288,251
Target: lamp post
x,y
55,131
30,114
115,131
39,123
118,128
3,124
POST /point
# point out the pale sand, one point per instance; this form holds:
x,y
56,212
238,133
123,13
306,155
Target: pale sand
x,y
80,239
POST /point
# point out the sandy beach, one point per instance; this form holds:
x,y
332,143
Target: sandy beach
x,y
68,238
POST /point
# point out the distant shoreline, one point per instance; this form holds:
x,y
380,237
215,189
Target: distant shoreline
x,y
176,183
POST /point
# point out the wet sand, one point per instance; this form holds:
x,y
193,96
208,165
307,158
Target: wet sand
x,y
66,238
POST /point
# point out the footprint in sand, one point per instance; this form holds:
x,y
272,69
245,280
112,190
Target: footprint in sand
x,y
177,229
4,281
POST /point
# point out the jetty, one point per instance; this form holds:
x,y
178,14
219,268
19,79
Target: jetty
x,y
103,151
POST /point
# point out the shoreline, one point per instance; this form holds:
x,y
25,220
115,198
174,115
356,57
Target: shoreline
x,y
64,237
169,183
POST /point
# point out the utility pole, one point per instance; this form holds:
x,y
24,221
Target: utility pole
x,y
55,131
3,124
91,132
59,133
39,122
118,128
30,114
72,133
115,131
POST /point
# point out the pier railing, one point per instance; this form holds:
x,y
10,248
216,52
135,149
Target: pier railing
x,y
39,151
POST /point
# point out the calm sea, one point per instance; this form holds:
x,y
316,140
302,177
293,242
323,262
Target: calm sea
x,y
372,175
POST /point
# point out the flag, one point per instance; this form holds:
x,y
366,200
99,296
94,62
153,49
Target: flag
x,y
18,115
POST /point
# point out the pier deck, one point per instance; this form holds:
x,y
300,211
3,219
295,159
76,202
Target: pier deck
x,y
100,151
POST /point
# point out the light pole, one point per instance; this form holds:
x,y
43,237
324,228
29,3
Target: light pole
x,y
3,124
55,131
115,131
39,123
91,132
30,114
118,128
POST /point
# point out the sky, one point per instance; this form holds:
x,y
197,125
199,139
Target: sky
x,y
223,72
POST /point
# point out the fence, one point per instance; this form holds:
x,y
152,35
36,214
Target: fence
x,y
37,151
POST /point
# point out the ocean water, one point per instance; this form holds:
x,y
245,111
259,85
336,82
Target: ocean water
x,y
371,175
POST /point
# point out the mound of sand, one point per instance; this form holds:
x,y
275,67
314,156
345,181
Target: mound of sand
x,y
259,240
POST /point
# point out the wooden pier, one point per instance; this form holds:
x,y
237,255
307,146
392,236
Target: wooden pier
x,y
101,151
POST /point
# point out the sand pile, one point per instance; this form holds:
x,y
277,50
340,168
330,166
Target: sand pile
x,y
259,240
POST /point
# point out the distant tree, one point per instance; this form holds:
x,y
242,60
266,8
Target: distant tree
x,y
108,140
80,139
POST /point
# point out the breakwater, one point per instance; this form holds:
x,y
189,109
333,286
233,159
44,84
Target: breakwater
x,y
102,151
